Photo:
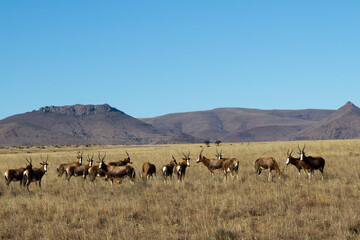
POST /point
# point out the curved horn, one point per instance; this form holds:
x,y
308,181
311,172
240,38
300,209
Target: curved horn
x,y
299,149
201,151
127,153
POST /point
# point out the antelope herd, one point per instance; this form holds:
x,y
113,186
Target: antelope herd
x,y
117,171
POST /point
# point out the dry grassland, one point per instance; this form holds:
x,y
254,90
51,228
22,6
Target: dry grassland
x,y
202,207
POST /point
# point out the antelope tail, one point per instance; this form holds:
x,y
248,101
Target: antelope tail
x,y
133,174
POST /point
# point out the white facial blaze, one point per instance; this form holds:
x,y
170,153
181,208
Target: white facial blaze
x,y
188,162
100,165
90,164
45,167
302,156
198,160
287,161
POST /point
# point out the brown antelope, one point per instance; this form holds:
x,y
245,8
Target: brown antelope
x,y
229,166
167,170
148,170
180,168
81,170
117,173
296,162
267,163
35,174
211,163
61,169
17,174
122,162
95,171
313,163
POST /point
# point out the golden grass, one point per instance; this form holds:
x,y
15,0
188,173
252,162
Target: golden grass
x,y
199,208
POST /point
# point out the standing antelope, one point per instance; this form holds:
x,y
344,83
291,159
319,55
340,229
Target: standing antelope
x,y
314,163
148,170
95,171
167,170
211,163
122,162
35,174
61,169
296,162
17,174
117,173
267,163
229,166
180,168
81,170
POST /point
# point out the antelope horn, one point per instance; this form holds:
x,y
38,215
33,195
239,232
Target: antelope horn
x,y
299,149
104,157
304,147
201,151
291,152
127,153
188,156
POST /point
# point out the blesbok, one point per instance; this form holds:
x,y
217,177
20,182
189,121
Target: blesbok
x,y
95,171
117,173
168,169
296,162
211,163
180,168
81,170
314,163
35,174
122,162
229,166
17,174
148,170
267,163
61,169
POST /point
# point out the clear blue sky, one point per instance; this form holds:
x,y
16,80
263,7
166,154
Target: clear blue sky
x,y
149,58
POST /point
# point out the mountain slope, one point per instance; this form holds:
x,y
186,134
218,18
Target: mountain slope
x,y
81,124
342,124
239,124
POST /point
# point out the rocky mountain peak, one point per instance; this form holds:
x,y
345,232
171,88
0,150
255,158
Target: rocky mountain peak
x,y
349,106
79,109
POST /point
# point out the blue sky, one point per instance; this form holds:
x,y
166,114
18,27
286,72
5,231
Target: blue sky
x,y
149,58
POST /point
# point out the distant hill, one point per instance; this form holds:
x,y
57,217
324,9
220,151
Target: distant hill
x,y
341,124
103,124
240,124
82,124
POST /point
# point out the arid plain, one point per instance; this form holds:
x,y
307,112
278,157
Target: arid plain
x,y
201,207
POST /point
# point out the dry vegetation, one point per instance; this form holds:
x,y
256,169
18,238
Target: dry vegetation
x,y
199,208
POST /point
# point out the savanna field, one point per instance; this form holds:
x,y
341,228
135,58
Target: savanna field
x,y
201,207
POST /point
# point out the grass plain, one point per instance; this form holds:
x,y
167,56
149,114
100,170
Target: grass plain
x,y
201,207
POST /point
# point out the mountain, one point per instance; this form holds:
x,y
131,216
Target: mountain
x,y
82,124
103,124
240,124
341,124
